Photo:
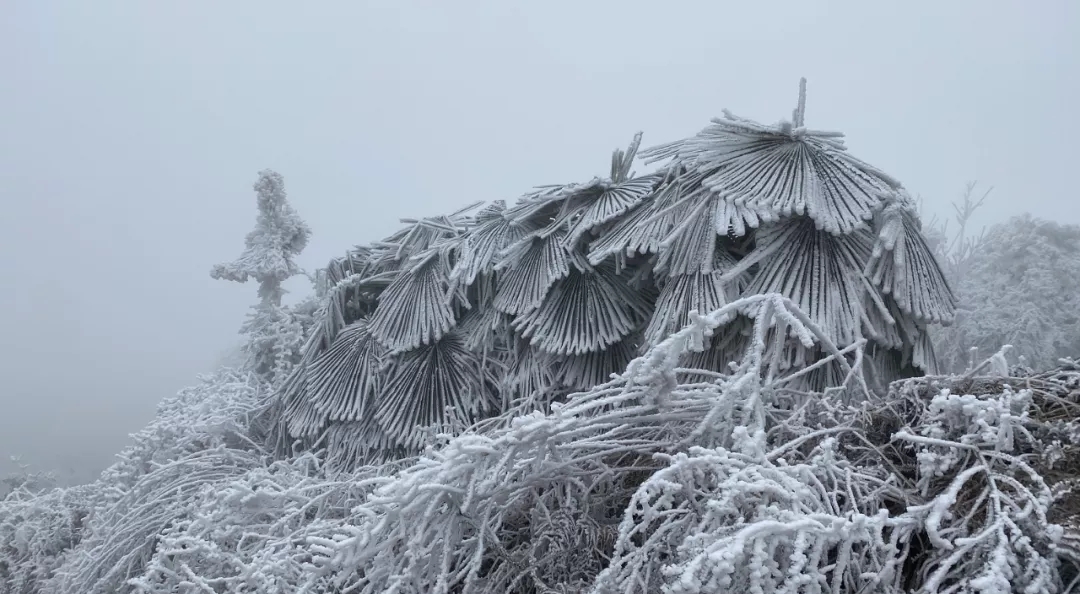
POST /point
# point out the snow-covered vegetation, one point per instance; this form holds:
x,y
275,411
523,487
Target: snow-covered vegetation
x,y
716,377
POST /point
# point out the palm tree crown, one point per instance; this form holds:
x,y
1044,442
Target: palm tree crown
x,y
457,317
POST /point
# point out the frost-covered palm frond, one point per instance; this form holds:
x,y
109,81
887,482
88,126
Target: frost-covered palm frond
x,y
528,270
819,271
340,383
922,353
356,444
416,308
642,229
484,327
692,291
608,201
785,170
587,206
587,311
418,236
582,372
492,232
883,320
903,265
530,379
425,382
690,244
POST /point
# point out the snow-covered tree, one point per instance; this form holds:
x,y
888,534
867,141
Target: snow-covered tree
x,y
274,331
1018,284
457,317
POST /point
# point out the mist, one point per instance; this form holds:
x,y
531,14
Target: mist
x,y
132,133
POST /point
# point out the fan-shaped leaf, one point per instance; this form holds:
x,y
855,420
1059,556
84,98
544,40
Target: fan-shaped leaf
x,y
697,291
583,372
880,321
338,383
820,272
782,169
342,381
482,244
356,443
609,201
425,382
483,327
528,270
530,379
415,309
586,311
903,265
642,229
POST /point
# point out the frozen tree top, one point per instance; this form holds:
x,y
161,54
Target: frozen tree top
x,y
279,235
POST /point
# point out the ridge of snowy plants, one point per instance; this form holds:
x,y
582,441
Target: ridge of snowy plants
x,y
666,478
688,382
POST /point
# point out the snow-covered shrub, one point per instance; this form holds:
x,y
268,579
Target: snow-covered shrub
x,y
36,528
250,534
213,413
123,534
536,504
199,434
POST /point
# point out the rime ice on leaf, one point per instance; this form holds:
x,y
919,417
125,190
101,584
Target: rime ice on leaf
x,y
820,272
784,170
341,383
423,383
903,265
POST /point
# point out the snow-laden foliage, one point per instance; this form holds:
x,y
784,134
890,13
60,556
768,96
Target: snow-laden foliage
x,y
274,332
251,534
666,478
677,480
526,399
1020,286
214,413
123,534
36,528
554,293
92,538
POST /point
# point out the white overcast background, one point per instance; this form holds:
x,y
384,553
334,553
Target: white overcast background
x,y
131,133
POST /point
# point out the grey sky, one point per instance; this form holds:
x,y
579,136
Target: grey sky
x,y
131,132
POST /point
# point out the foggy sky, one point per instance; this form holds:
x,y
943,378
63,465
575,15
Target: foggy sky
x,y
131,133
